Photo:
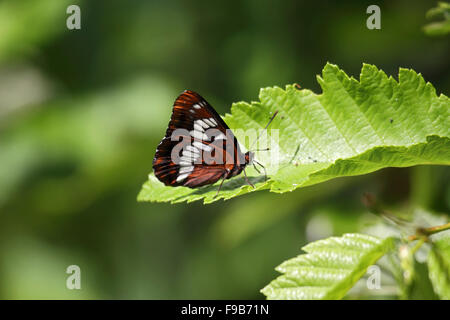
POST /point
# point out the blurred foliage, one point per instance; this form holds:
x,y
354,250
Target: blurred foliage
x,y
440,27
24,25
81,113
439,267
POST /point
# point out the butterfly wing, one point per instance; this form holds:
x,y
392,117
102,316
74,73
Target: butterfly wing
x,y
195,115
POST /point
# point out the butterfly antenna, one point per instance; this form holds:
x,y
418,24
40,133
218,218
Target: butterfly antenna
x,y
265,128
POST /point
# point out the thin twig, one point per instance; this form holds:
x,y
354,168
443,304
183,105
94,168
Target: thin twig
x,y
425,232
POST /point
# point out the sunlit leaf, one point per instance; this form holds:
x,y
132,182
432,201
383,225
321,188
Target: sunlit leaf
x,y
329,268
352,128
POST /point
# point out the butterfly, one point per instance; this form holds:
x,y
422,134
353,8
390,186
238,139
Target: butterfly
x,y
199,148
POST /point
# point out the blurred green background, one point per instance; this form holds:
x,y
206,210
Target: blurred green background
x,y
82,111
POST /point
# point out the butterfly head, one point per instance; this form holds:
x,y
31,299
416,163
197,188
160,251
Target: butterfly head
x,y
249,155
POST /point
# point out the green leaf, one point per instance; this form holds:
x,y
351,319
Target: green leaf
x,y
352,128
439,267
439,27
329,268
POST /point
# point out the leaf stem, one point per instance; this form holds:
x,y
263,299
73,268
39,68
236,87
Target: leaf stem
x,y
418,245
425,232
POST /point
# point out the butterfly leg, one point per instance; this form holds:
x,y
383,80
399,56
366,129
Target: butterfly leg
x,y
264,168
256,168
248,181
221,183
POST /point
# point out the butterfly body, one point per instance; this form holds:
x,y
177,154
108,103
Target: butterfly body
x,y
198,148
